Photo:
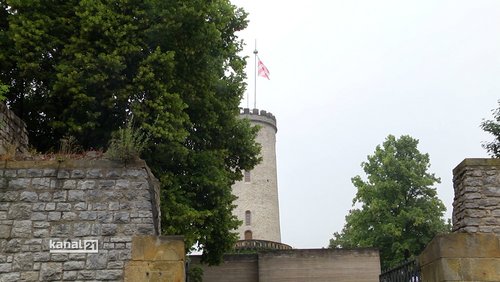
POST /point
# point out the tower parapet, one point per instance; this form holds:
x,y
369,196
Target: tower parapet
x,y
261,116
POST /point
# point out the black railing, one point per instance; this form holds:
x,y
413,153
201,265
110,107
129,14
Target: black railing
x,y
406,272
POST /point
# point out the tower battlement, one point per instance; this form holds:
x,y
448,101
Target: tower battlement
x,y
261,116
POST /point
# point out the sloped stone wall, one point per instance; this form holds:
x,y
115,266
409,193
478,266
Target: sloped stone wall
x,y
13,133
75,200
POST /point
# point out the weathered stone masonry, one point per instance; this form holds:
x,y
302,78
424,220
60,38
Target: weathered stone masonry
x,y
476,207
93,199
13,133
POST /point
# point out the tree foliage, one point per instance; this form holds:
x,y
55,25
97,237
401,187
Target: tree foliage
x,y
83,67
397,209
493,127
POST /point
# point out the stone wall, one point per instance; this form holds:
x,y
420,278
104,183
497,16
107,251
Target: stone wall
x,y
76,200
13,133
476,206
312,265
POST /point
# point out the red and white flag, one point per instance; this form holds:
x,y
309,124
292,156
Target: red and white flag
x,y
263,71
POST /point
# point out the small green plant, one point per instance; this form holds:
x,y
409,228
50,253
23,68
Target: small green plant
x,y
126,143
69,146
195,273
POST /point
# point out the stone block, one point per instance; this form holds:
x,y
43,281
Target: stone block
x,y
109,274
49,172
54,216
5,231
168,271
50,206
63,174
76,196
63,207
5,267
59,196
94,173
40,183
60,230
38,216
82,229
51,271
27,196
86,275
9,196
41,256
78,173
29,276
158,248
12,276
59,257
21,229
45,197
81,206
20,183
86,184
70,275
22,261
69,216
88,215
109,229
19,211
121,217
74,265
96,261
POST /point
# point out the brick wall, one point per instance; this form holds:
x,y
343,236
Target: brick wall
x,y
77,200
311,265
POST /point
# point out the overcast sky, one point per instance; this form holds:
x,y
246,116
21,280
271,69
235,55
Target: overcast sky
x,y
345,74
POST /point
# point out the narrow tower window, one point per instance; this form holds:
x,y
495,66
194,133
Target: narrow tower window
x,y
248,218
247,176
248,235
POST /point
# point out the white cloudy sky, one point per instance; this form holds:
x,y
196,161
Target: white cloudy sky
x,y
345,74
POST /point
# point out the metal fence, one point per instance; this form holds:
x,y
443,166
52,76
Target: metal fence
x,y
406,272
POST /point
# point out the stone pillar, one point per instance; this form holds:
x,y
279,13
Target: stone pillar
x,y
461,257
476,206
156,258
472,252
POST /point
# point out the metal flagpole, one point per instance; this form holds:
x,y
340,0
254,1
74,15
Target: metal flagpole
x,y
255,52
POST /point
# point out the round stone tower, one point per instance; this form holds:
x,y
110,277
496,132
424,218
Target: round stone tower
x,y
257,204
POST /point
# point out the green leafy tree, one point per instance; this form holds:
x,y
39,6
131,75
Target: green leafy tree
x,y
84,67
397,209
493,127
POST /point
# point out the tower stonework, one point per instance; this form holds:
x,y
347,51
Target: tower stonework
x,y
257,205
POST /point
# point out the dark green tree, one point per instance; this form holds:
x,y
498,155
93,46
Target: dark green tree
x,y
396,208
84,67
493,127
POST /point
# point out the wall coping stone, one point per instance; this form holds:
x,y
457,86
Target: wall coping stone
x,y
470,162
